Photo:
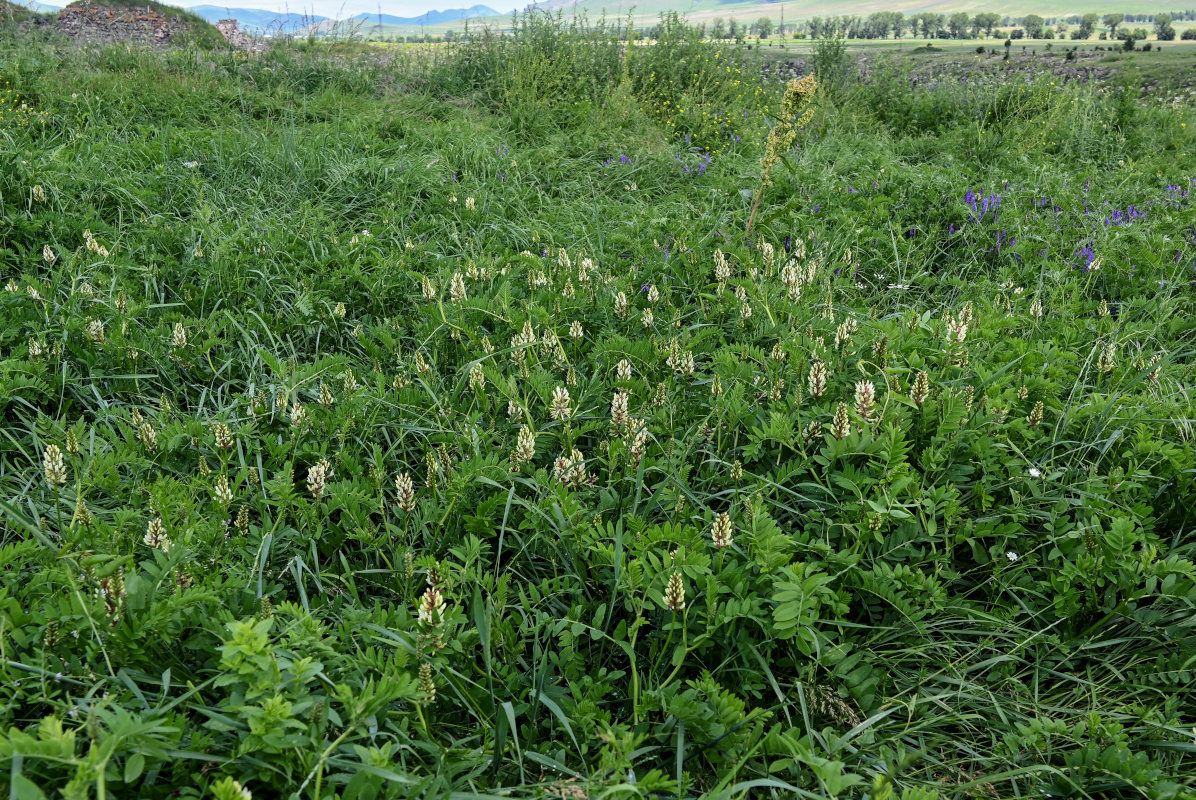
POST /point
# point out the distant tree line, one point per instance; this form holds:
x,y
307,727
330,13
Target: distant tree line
x,y
961,25
926,25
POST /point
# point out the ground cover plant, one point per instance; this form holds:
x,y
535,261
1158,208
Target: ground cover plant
x,y
400,427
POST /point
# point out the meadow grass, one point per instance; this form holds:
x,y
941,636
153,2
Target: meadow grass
x,y
388,423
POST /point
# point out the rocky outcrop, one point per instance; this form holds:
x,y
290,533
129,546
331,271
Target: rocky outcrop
x,y
230,29
141,24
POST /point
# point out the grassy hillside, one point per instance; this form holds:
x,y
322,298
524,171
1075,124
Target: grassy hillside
x,y
427,424
13,13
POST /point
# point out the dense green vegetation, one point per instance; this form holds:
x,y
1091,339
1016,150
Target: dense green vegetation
x,y
420,423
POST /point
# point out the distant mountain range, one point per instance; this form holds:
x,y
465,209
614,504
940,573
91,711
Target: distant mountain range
x,y
431,17
255,20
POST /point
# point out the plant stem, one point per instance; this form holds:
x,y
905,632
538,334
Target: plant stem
x,y
755,206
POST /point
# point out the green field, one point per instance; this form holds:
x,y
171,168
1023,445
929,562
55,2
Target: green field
x,y
1165,75
646,13
481,422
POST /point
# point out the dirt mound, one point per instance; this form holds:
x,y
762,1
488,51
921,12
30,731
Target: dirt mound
x,y
148,23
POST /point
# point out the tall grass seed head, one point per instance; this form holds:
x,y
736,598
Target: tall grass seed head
x,y
674,594
405,488
147,435
722,268
421,364
316,480
561,408
618,410
525,446
95,332
426,685
54,466
621,305
1036,413
112,591
457,288
817,378
841,425
660,394
1107,361
721,533
222,492
687,365
865,396
432,607
768,255
155,534
921,388
796,112
477,378
325,396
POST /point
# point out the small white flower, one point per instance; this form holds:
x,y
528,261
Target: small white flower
x,y
1035,472
190,164
1012,556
